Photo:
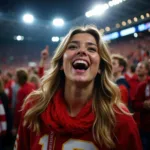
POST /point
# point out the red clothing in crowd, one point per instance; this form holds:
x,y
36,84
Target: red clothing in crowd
x,y
124,94
41,71
59,131
143,94
8,90
133,82
23,92
3,122
127,77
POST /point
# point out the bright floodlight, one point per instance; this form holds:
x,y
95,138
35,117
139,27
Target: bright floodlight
x,y
19,38
97,10
100,9
135,35
55,39
58,22
28,18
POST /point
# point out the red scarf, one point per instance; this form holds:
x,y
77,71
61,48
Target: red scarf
x,y
57,117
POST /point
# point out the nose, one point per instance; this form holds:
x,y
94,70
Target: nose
x,y
82,51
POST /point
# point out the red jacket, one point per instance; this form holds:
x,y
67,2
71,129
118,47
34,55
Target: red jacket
x,y
133,82
124,94
142,94
126,138
23,92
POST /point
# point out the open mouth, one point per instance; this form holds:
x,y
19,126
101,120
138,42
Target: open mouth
x,y
80,65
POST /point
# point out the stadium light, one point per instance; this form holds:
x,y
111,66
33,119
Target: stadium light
x,y
117,25
142,17
135,19
28,18
55,39
111,36
123,23
107,29
127,31
19,38
58,22
102,31
147,15
129,21
101,8
114,2
97,10
135,35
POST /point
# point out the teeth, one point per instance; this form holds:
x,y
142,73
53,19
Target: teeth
x,y
80,61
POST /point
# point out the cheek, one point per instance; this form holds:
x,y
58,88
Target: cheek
x,y
67,57
96,61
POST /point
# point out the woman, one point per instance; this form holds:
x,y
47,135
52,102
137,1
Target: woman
x,y
77,105
25,88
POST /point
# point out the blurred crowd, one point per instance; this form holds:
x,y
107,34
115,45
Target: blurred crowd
x,y
131,71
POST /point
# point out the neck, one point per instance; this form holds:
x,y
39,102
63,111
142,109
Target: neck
x,y
77,96
117,75
142,78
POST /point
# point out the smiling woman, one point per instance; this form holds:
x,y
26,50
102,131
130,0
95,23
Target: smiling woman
x,y
77,106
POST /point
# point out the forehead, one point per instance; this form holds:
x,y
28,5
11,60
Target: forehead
x,y
83,37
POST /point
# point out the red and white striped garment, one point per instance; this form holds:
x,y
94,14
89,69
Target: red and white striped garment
x,y
3,123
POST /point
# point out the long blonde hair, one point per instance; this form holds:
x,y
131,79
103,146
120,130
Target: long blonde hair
x,y
106,93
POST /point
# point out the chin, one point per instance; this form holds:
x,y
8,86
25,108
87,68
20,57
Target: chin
x,y
81,80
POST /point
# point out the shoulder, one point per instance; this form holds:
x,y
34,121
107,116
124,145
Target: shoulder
x,y
124,119
123,87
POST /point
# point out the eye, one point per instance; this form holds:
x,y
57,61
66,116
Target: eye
x,y
72,47
92,49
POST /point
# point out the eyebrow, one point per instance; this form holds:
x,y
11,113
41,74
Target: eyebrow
x,y
88,43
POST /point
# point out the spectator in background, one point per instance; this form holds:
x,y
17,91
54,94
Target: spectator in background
x,y
25,89
149,66
141,75
15,89
3,124
142,105
33,78
7,139
8,85
128,75
119,64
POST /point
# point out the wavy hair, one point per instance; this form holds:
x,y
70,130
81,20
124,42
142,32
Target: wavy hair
x,y
106,93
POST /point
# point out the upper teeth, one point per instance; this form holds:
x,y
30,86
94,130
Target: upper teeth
x,y
81,61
